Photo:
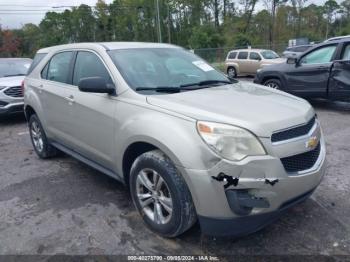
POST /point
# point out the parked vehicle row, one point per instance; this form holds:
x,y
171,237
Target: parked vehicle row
x,y
190,144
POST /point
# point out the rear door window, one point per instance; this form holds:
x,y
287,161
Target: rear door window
x,y
243,55
89,64
59,67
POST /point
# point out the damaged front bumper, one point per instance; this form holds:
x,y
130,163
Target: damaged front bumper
x,y
234,199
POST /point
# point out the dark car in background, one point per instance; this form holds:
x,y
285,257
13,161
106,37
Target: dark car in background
x,y
321,72
294,51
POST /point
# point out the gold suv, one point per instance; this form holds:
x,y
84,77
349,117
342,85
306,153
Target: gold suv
x,y
248,61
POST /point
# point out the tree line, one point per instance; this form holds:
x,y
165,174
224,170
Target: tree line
x,y
192,24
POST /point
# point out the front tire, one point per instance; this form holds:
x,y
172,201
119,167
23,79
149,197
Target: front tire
x,y
39,140
273,83
161,195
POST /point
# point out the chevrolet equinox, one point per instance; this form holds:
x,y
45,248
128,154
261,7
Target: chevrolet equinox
x,y
189,144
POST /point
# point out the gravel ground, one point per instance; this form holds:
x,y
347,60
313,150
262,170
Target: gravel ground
x,y
63,206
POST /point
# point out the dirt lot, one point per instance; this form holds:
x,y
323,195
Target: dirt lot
x,y
63,206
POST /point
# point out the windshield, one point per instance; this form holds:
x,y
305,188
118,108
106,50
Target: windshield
x,y
150,68
268,54
14,67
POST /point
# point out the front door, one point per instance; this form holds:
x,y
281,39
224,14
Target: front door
x,y
93,121
339,81
255,62
309,77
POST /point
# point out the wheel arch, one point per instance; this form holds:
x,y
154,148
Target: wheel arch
x,y
29,111
137,148
275,76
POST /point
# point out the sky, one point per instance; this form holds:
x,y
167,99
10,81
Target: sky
x,y
34,10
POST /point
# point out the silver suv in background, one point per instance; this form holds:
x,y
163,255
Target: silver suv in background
x,y
188,143
295,51
12,73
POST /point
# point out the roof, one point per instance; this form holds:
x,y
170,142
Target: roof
x,y
108,46
250,50
338,38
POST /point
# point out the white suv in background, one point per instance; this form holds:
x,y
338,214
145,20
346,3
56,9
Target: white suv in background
x,y
12,73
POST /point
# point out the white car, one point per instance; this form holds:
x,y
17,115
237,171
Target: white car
x,y
12,73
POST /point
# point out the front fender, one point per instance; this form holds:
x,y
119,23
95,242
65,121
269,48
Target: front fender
x,y
176,137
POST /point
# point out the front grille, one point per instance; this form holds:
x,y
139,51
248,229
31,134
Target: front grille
x,y
302,161
293,132
15,91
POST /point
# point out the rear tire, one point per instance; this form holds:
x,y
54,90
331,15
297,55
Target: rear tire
x,y
231,72
161,195
39,140
273,83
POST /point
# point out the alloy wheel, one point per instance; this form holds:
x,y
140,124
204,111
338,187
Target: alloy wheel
x,y
272,85
231,72
37,136
154,196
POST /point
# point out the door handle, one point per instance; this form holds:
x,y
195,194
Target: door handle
x,y
70,99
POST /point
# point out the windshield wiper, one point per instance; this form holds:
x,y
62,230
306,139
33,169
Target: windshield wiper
x,y
161,89
14,75
207,83
187,87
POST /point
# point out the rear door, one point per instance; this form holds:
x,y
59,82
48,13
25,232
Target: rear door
x,y
52,90
92,124
339,81
309,78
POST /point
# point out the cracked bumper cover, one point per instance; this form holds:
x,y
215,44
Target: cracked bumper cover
x,y
212,206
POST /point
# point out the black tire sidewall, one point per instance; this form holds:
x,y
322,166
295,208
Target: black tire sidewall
x,y
44,152
234,70
166,170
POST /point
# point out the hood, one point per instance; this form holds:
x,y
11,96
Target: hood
x,y
259,109
11,80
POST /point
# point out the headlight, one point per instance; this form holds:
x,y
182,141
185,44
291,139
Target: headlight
x,y
230,142
2,87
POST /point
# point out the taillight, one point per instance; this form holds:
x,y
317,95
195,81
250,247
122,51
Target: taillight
x,y
22,87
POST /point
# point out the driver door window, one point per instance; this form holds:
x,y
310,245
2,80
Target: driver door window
x,y
89,65
319,56
346,53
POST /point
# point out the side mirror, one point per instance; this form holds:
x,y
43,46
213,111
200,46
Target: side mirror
x,y
95,85
292,60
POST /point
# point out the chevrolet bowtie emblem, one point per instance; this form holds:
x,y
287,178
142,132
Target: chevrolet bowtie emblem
x,y
312,142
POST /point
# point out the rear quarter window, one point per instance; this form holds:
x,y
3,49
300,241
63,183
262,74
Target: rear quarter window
x,y
232,55
37,58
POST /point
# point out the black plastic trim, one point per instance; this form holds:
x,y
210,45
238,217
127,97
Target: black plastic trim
x,y
244,225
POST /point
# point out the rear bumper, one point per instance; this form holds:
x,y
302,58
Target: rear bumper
x,y
241,226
